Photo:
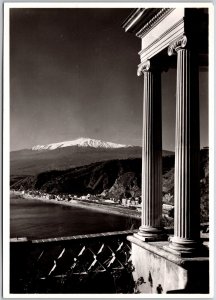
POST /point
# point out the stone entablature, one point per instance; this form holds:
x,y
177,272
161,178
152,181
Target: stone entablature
x,y
157,33
160,37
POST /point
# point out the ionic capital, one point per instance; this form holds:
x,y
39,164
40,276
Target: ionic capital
x,y
143,67
177,45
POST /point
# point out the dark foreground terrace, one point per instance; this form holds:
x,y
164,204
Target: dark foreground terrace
x,y
100,263
93,263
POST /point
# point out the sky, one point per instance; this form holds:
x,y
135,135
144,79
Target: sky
x,y
73,74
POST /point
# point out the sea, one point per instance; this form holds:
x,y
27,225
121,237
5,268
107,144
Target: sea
x,y
35,219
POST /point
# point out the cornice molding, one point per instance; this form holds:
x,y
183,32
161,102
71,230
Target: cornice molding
x,y
177,45
166,33
133,19
154,21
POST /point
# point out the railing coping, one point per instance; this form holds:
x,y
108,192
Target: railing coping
x,y
73,237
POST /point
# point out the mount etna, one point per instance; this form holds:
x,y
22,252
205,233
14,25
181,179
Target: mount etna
x,y
69,154
64,155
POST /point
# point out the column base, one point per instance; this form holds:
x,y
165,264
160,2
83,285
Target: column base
x,y
148,234
186,248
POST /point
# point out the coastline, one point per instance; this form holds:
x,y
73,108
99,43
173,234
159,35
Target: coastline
x,y
105,208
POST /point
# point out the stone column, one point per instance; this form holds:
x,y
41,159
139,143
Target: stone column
x,y
187,149
151,155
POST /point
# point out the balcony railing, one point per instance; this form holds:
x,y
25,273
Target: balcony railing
x,y
93,263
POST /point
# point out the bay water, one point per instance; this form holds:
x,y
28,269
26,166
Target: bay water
x,y
35,219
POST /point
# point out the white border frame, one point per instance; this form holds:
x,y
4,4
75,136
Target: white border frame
x,y
6,140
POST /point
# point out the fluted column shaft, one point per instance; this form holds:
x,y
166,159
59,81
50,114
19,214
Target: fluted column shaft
x,y
151,157
187,148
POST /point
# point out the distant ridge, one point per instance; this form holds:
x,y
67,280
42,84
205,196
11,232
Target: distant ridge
x,y
69,154
80,142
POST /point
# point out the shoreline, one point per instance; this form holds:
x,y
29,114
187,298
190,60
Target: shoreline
x,y
105,208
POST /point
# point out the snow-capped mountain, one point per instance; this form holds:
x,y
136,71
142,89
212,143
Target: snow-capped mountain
x,y
80,142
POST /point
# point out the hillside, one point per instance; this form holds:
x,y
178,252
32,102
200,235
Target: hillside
x,y
114,179
93,178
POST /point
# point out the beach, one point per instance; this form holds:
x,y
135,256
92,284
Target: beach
x,y
36,218
105,208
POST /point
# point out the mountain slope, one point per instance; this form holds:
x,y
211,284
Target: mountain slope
x,y
29,162
70,154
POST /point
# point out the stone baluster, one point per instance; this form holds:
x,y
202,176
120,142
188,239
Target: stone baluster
x,y
151,154
187,148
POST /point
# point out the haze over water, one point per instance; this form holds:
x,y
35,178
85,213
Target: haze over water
x,y
35,219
